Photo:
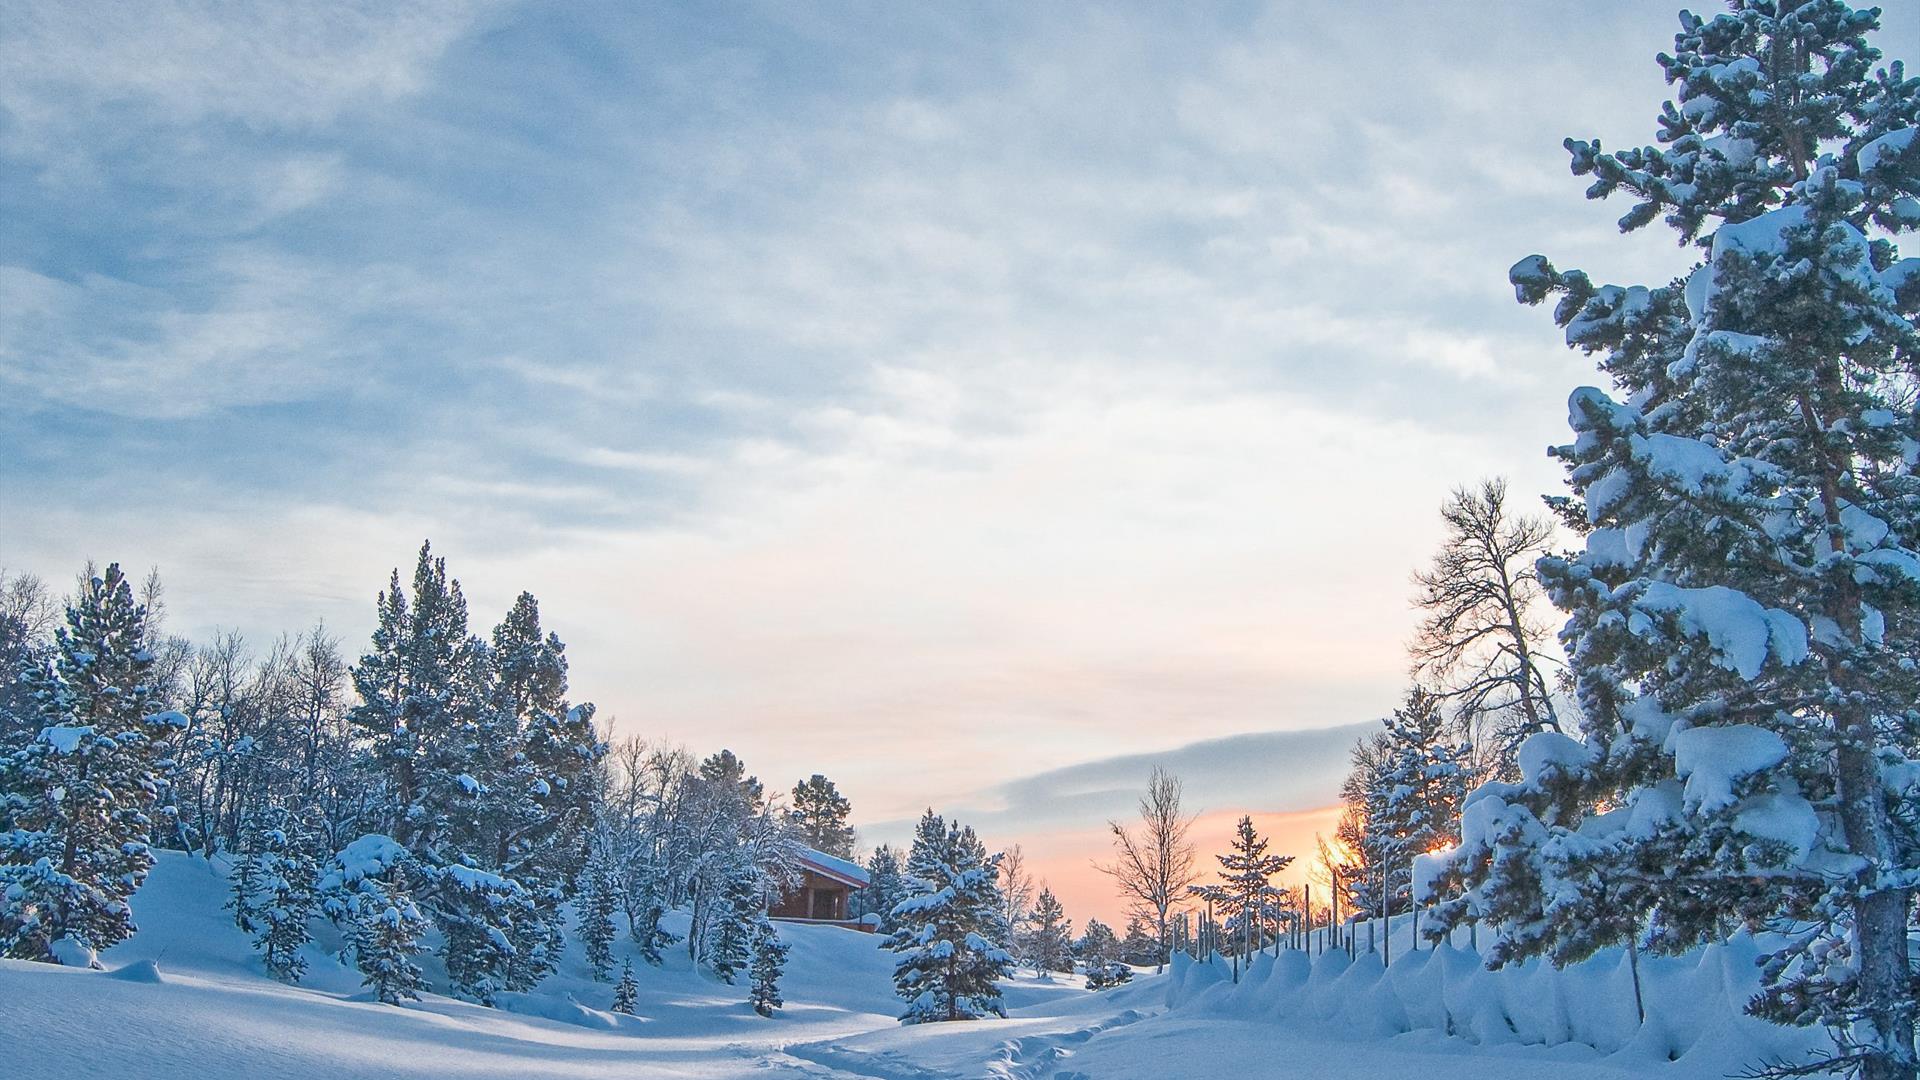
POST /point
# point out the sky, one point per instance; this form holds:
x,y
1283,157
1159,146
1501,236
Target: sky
x,y
979,404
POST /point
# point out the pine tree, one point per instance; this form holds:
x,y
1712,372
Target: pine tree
x,y
1101,956
1403,799
540,837
1246,894
1138,945
537,938
274,894
885,886
646,906
1048,936
728,774
242,886
79,797
1108,974
820,812
946,928
476,911
1098,944
596,905
769,961
729,948
1745,606
366,890
626,995
287,904
387,932
26,616
486,776
424,691
1371,872
1425,775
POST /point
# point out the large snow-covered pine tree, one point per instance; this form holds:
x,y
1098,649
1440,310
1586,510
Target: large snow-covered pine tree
x,y
76,802
947,927
1744,612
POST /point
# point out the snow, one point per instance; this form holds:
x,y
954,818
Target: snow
x,y
65,738
1739,629
1654,808
1898,560
833,863
1647,720
474,880
1604,492
1763,234
1336,1018
1427,868
1886,147
74,954
367,856
1609,547
1550,749
1688,464
1899,274
1711,759
1785,818
186,998
1863,529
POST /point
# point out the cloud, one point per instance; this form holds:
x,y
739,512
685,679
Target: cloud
x,y
1269,771
75,68
982,389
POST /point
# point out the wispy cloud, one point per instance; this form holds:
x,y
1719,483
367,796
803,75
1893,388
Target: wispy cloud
x,y
989,388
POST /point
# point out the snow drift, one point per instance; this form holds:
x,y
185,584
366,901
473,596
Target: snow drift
x,y
1695,1020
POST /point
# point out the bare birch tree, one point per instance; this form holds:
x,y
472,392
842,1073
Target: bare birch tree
x,y
1016,895
1480,643
1154,865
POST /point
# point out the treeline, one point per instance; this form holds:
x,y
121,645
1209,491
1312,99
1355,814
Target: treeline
x,y
442,786
442,793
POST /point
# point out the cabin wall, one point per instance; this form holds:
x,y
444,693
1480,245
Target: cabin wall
x,y
816,897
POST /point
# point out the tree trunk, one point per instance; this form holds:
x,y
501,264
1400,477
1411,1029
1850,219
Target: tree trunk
x,y
1879,928
1879,919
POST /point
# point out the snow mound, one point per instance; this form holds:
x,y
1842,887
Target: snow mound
x,y
140,971
1695,1026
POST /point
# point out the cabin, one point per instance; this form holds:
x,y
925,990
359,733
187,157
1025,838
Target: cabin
x,y
827,882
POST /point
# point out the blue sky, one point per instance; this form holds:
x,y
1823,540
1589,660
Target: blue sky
x,y
925,394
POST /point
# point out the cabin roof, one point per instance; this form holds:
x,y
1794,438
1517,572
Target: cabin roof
x,y
846,872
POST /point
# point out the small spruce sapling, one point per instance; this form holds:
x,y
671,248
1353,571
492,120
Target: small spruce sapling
x,y
769,961
626,996
596,923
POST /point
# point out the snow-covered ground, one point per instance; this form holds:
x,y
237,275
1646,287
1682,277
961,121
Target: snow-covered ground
x,y
185,999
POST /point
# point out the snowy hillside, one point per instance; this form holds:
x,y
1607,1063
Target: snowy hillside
x,y
186,997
